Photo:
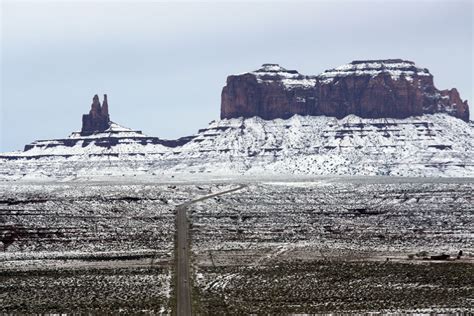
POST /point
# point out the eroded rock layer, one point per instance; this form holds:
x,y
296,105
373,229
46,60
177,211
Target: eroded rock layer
x,y
392,88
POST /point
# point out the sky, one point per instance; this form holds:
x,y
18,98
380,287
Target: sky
x,y
163,64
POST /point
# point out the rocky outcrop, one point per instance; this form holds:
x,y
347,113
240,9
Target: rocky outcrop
x,y
116,139
98,133
269,92
98,119
392,88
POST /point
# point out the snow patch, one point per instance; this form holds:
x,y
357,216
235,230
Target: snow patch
x,y
429,145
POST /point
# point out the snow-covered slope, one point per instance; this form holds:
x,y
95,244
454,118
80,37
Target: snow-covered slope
x,y
395,69
116,140
429,145
426,145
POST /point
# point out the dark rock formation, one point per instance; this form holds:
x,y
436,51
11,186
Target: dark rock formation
x,y
106,142
269,92
98,119
94,125
392,88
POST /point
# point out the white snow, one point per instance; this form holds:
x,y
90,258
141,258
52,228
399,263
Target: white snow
x,y
86,146
115,130
271,68
429,145
307,83
290,79
270,73
396,70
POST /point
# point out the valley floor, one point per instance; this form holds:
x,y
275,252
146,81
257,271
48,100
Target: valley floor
x,y
276,246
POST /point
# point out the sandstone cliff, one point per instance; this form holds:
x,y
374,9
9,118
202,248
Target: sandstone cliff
x,y
98,119
392,88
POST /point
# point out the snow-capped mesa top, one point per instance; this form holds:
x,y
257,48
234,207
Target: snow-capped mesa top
x,y
272,68
396,68
290,79
114,130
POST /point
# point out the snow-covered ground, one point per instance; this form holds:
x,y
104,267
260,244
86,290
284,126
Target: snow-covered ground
x,y
336,245
335,218
296,245
429,145
100,248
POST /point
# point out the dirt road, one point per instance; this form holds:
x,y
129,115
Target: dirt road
x,y
183,288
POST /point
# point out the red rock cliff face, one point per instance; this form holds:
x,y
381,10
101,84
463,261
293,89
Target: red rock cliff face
x,y
371,89
98,119
270,92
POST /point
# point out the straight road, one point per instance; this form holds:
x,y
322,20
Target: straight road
x,y
183,287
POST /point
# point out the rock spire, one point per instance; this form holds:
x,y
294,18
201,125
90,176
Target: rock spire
x,y
98,119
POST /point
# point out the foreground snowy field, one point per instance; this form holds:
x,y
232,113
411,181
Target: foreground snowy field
x,y
336,245
305,245
337,218
95,247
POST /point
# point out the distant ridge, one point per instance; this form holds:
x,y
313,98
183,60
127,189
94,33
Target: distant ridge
x,y
285,124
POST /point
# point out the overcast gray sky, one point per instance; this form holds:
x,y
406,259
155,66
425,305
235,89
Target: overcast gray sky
x,y
163,64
